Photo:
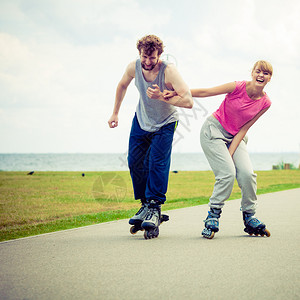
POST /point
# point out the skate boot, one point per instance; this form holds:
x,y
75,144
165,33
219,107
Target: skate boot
x,y
138,218
152,220
254,226
211,223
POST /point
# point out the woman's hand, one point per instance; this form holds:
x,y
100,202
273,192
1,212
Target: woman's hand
x,y
169,94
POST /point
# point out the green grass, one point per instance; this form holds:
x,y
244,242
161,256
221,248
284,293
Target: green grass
x,y
52,201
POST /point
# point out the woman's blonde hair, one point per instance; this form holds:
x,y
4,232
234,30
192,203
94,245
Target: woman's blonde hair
x,y
264,66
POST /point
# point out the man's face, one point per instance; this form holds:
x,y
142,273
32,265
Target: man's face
x,y
149,61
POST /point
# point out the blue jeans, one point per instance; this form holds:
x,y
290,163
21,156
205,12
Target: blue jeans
x,y
149,158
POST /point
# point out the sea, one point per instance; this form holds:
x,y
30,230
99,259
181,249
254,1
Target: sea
x,y
118,161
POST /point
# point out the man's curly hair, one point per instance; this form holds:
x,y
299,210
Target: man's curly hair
x,y
150,43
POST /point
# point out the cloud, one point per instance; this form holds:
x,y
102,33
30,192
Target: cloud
x,y
60,62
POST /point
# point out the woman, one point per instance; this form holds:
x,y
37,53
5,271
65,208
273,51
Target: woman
x,y
223,139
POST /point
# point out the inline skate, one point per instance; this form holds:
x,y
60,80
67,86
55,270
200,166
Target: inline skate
x,y
152,220
138,218
211,223
254,226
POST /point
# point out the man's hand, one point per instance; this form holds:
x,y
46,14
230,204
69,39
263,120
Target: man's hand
x,y
154,93
113,121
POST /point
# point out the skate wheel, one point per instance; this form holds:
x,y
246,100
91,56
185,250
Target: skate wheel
x,y
133,230
209,237
208,234
164,218
150,234
146,235
267,232
212,235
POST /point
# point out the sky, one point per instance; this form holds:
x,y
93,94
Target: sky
x,y
61,61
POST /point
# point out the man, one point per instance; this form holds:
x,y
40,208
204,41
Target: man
x,y
153,127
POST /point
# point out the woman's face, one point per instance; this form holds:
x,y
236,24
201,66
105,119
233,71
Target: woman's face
x,y
260,77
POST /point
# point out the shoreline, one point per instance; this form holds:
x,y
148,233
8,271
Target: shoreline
x,y
118,161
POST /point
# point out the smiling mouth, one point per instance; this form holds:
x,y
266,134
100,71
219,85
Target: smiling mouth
x,y
148,68
260,80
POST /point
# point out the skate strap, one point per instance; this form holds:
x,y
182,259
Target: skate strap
x,y
252,219
210,219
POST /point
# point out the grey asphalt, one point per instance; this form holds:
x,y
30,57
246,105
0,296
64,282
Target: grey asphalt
x,y
105,262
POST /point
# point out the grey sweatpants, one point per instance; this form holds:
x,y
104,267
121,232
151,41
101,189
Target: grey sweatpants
x,y
215,141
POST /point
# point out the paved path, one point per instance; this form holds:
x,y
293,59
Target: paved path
x,y
105,262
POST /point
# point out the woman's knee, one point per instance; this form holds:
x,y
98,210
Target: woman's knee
x,y
245,177
230,177
226,179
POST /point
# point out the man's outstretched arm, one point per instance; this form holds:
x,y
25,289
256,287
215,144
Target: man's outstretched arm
x,y
120,94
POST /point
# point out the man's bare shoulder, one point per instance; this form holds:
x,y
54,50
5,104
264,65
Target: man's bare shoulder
x,y
171,74
130,70
171,70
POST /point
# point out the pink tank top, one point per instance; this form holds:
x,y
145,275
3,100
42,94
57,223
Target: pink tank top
x,y
238,108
